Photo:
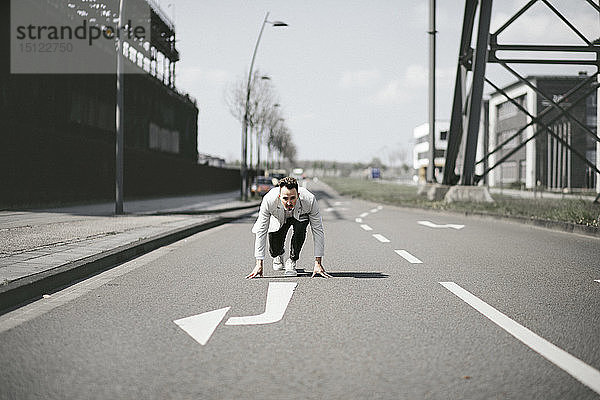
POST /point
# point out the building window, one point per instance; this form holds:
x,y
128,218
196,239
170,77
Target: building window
x,y
504,135
443,135
522,171
422,139
508,109
508,171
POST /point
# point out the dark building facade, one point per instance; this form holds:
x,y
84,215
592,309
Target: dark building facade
x,y
544,161
58,134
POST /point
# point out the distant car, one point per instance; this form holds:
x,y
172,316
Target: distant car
x,y
261,185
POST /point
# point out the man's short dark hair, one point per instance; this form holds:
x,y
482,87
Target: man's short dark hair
x,y
289,182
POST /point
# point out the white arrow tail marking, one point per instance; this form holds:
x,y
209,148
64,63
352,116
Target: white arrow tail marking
x,y
201,327
279,295
432,225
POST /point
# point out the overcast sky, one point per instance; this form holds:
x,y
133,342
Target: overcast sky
x,y
351,75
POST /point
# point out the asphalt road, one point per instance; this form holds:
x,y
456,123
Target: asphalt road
x,y
382,327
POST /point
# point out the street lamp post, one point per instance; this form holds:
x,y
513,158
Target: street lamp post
x,y
244,169
120,118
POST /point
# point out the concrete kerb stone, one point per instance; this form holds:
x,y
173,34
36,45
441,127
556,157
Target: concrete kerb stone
x,y
433,191
476,194
21,291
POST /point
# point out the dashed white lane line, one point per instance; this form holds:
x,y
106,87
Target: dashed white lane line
x,y
374,210
408,257
363,214
366,227
568,363
432,225
359,220
381,238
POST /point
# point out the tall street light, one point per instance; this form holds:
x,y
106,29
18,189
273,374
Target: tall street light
x,y
120,118
244,169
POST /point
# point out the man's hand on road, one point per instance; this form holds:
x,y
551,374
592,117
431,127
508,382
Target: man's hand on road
x,y
320,270
257,271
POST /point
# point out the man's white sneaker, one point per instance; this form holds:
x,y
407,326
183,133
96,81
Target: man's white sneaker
x,y
290,268
278,263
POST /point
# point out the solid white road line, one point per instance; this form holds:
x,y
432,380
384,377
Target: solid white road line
x,y
201,327
359,220
366,227
363,214
381,238
432,225
568,363
279,295
408,257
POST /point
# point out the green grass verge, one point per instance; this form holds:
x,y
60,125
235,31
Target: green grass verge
x,y
582,212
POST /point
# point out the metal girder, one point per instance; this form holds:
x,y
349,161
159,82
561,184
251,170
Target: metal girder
x,y
476,96
465,54
466,107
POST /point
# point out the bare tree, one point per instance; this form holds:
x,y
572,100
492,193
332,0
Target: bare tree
x,y
264,118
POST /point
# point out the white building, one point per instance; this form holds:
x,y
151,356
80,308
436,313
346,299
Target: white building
x,y
421,148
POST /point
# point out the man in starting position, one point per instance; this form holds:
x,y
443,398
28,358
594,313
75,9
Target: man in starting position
x,y
284,207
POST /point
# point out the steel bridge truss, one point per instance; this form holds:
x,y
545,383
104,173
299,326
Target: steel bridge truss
x,y
466,107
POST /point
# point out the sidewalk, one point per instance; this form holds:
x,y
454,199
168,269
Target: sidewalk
x,y
41,250
529,194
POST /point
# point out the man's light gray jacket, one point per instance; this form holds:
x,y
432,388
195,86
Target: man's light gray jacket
x,y
272,216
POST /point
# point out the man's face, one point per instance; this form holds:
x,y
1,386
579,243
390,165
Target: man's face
x,y
288,197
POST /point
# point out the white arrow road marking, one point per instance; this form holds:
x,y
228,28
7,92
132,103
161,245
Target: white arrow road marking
x,y
432,225
381,238
363,214
408,257
359,220
568,363
201,327
366,227
278,298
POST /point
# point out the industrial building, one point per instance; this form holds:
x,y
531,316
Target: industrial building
x,y
545,161
58,137
421,148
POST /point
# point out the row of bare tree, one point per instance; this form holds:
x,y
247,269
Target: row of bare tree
x,y
266,125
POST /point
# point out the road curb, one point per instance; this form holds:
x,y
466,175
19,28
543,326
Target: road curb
x,y
203,212
21,291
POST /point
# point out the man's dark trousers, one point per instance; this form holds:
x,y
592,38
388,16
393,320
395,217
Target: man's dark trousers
x,y
277,239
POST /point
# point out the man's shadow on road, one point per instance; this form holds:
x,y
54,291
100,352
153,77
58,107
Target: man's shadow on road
x,y
357,275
